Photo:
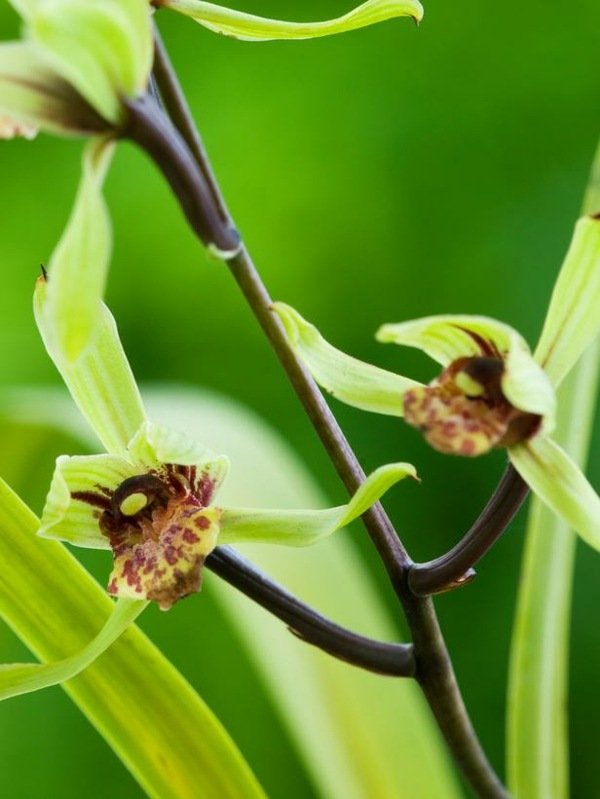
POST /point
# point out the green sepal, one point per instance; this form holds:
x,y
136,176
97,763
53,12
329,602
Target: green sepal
x,y
100,380
24,678
304,527
79,264
101,47
34,94
560,484
346,378
573,318
249,27
450,337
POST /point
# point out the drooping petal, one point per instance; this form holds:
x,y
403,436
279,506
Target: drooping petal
x,y
79,264
80,491
100,381
303,527
249,27
102,47
448,338
35,95
167,567
573,318
23,678
352,381
560,484
154,445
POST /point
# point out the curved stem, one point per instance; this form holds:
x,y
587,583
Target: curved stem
x,y
392,659
434,668
455,568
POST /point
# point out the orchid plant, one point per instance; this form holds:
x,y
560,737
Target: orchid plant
x,y
98,69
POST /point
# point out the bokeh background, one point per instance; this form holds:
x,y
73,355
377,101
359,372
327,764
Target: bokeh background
x,y
383,175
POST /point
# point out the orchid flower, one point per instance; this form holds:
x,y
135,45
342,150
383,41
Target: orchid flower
x,y
492,391
151,498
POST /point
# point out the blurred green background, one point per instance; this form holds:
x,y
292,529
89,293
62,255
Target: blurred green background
x,y
378,176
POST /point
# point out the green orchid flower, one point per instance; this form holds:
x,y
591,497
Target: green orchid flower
x,y
150,498
251,28
492,392
76,64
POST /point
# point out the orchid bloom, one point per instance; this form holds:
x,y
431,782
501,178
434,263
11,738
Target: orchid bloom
x,y
150,498
492,392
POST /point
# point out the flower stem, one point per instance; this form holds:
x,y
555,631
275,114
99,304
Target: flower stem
x,y
434,669
396,660
455,568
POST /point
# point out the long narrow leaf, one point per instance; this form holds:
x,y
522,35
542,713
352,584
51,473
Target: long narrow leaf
x,y
160,728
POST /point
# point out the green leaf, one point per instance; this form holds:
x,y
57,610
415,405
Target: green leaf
x,y
573,318
79,264
304,527
102,47
32,93
449,337
159,727
358,735
559,483
23,678
537,718
344,722
100,380
351,381
249,27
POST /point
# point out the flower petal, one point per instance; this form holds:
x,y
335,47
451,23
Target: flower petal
x,y
33,93
573,318
102,47
447,338
79,264
352,381
303,527
80,491
560,483
23,678
169,568
249,27
155,445
100,381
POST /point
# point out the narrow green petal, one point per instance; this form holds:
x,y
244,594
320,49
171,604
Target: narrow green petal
x,y
155,444
80,486
349,380
100,381
102,47
299,528
573,318
23,678
33,93
560,484
447,338
249,27
79,264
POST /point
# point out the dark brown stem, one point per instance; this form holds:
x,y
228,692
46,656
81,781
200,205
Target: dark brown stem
x,y
434,668
456,566
395,660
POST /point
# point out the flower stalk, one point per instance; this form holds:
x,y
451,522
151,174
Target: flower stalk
x,y
434,669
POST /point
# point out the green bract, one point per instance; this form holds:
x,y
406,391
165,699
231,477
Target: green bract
x,y
77,63
249,27
492,392
151,498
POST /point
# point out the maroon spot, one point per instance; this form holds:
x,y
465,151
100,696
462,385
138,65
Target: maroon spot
x,y
202,523
190,537
170,554
467,447
92,498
